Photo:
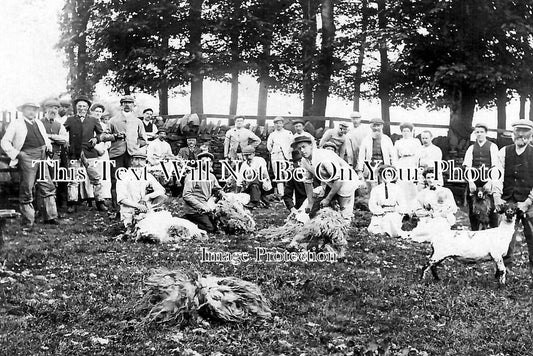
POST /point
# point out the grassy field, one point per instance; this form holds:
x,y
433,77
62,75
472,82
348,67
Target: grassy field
x,y
74,289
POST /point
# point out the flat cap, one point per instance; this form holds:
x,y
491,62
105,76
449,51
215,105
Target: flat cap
x,y
482,124
206,154
377,121
301,139
330,144
127,99
298,121
278,118
51,102
355,114
523,124
343,124
148,109
139,154
97,105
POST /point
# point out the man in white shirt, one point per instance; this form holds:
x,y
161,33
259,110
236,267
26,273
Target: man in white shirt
x,y
138,192
299,125
354,138
338,179
375,148
238,138
279,146
159,149
253,177
149,126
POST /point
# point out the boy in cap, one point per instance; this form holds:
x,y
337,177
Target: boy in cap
x,y
279,146
196,194
25,141
294,193
483,154
516,184
354,138
149,126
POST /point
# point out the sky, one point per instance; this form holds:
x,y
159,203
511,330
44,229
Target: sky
x,y
31,69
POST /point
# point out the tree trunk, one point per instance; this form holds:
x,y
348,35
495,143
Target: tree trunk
x,y
384,75
325,61
361,56
501,103
461,115
234,92
262,100
195,48
531,105
163,86
309,9
264,78
523,98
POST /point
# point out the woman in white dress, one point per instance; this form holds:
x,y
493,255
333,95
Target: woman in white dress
x,y
406,148
385,203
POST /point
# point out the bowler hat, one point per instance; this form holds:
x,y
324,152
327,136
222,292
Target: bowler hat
x,y
127,99
523,124
148,109
206,154
301,139
27,104
81,98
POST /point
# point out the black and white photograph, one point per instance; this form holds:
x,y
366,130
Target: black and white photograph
x,y
266,177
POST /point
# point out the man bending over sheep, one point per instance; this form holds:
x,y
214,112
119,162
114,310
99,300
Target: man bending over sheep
x,y
516,183
138,192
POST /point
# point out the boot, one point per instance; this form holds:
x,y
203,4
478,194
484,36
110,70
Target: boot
x,y
101,206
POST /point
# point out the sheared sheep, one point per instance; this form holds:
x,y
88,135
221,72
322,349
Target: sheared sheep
x,y
230,215
161,226
475,246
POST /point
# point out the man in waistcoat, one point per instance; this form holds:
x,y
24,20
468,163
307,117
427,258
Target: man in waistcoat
x,y
25,141
482,155
516,185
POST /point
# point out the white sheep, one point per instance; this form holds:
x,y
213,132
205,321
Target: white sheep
x,y
474,246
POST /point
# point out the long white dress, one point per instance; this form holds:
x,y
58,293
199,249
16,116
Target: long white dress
x,y
407,149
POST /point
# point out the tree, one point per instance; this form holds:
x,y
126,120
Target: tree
x,y
196,71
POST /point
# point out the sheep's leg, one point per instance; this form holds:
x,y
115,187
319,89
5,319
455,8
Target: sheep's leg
x,y
500,269
432,265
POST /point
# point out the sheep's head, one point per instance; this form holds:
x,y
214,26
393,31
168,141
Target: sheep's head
x,y
409,222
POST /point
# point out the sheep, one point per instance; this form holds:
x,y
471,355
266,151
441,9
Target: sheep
x,y
475,246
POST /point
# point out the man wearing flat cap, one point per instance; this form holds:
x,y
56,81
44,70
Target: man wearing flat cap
x,y
483,154
149,125
338,180
338,137
25,141
159,149
354,138
299,129
197,192
253,177
138,193
279,146
375,148
128,137
516,184
85,132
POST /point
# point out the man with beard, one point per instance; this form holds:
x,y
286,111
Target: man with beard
x,y
191,151
85,132
516,184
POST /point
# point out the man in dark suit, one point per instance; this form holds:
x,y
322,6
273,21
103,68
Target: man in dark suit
x,y
84,133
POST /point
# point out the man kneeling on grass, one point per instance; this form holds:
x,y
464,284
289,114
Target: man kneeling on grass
x,y
198,190
137,190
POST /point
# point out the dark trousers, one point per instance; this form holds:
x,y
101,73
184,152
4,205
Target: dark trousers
x,y
203,221
527,222
122,161
474,222
255,191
